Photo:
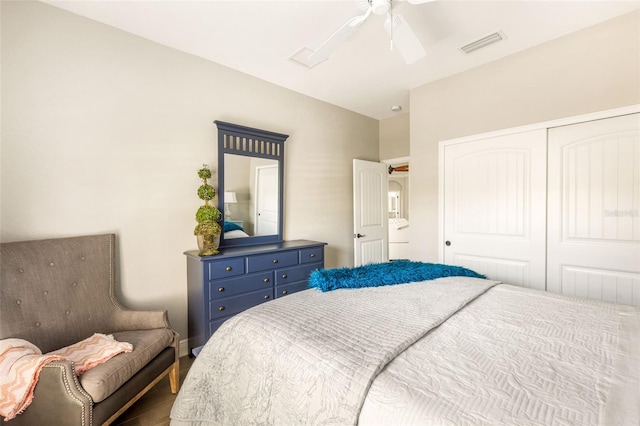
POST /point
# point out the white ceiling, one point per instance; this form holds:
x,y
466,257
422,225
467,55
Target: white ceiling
x,y
363,75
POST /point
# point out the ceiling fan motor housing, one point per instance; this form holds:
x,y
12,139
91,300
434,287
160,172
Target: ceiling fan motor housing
x,y
380,7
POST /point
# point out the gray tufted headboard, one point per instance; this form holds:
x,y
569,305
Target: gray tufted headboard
x,y
58,291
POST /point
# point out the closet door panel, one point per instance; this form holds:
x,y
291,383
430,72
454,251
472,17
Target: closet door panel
x,y
594,209
494,207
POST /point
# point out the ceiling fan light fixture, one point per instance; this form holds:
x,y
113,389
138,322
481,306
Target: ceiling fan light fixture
x,y
401,36
380,7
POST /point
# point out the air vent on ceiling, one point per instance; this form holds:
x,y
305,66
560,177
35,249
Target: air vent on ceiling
x,y
483,42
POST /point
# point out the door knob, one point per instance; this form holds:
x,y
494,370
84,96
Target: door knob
x,y
447,243
359,235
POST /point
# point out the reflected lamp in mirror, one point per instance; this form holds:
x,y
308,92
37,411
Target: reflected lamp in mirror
x,y
229,198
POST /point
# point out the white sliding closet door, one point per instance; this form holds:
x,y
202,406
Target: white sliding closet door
x,y
594,209
495,208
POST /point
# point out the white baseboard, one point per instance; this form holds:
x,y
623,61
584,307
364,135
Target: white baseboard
x,y
183,349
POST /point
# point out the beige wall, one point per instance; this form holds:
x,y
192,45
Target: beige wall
x,y
103,131
394,137
591,70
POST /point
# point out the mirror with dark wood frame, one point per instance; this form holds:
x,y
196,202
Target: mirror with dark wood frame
x,y
250,184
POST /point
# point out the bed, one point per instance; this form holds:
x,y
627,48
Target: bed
x,y
455,350
233,230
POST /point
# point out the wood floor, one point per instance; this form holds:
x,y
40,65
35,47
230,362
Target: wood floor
x,y
154,407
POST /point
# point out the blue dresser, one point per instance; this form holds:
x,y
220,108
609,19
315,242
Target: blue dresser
x,y
241,277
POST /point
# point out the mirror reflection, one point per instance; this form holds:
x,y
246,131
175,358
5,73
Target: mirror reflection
x,y
251,198
398,199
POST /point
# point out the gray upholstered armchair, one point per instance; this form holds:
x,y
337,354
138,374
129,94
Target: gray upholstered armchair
x,y
57,292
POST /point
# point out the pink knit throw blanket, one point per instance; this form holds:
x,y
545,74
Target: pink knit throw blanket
x,y
21,362
20,365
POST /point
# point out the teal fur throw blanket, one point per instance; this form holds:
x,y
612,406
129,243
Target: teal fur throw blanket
x,y
379,274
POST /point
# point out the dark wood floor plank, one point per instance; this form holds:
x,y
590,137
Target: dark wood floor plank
x,y
154,407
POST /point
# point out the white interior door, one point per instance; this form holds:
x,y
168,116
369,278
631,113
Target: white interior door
x,y
266,200
370,216
494,207
594,209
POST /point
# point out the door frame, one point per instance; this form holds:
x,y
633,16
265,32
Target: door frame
x,y
400,247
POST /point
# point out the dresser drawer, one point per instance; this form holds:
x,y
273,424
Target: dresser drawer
x,y
239,278
297,273
247,283
272,260
312,254
283,290
232,305
226,268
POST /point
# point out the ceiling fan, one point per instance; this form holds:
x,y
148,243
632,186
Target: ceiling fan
x,y
402,38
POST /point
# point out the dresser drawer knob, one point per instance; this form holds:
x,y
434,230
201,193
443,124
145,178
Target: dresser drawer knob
x,y
275,260
285,292
221,308
228,268
266,280
284,275
266,296
221,289
312,255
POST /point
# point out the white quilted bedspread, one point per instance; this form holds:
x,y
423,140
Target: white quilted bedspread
x,y
517,357
494,355
309,358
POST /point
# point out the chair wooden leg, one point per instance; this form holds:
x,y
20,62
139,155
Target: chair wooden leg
x,y
174,377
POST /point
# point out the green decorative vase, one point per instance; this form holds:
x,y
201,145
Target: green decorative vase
x,y
208,245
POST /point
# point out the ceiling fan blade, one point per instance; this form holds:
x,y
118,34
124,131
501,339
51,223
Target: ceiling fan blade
x,y
341,35
404,39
